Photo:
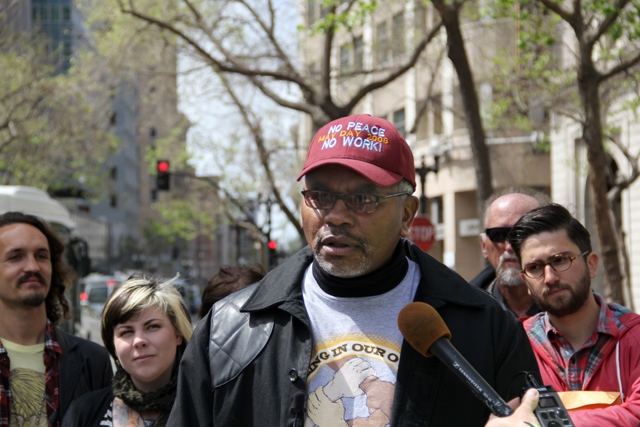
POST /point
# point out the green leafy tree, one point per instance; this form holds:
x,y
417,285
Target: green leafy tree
x,y
583,87
53,127
249,53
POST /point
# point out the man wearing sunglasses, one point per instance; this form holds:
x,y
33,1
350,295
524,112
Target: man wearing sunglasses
x,y
316,342
502,277
581,342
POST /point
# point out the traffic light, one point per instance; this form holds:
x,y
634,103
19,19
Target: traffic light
x,y
162,175
273,256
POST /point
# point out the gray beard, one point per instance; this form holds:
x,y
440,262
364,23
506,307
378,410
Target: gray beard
x,y
348,271
509,277
344,272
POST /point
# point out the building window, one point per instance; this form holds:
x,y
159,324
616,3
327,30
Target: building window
x,y
344,59
436,104
66,13
113,200
398,34
113,173
34,13
398,121
54,12
112,117
382,47
311,12
152,133
358,54
324,11
436,214
459,121
43,13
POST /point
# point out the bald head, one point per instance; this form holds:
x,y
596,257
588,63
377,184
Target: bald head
x,y
505,211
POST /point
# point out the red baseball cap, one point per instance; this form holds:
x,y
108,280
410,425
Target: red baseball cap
x,y
368,145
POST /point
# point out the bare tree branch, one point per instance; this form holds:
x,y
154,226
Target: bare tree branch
x,y
622,67
569,17
622,183
398,72
608,21
256,131
422,107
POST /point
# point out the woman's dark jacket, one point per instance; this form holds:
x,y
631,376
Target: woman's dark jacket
x,y
84,366
246,364
89,410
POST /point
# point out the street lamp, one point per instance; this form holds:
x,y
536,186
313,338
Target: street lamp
x,y
423,171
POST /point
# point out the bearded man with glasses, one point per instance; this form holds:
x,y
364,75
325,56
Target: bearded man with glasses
x,y
502,277
581,342
316,342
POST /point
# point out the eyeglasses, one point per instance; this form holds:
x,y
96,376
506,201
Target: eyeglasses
x,y
497,234
535,269
357,202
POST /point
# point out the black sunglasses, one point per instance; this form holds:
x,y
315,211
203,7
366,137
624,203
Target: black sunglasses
x,y
497,234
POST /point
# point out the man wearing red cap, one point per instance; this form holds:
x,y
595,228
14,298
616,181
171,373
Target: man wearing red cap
x,y
316,342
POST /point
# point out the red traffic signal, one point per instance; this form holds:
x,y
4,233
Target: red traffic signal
x,y
162,175
163,166
272,244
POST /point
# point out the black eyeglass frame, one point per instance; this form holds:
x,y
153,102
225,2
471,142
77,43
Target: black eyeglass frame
x,y
544,267
344,198
489,231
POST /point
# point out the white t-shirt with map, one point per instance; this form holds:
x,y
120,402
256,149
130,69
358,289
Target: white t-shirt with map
x,y
356,353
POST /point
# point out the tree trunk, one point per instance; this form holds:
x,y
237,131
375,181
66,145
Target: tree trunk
x,y
458,56
588,84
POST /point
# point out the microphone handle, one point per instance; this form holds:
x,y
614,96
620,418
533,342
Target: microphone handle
x,y
447,353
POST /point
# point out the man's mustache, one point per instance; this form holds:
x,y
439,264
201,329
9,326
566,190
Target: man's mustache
x,y
29,276
339,232
551,288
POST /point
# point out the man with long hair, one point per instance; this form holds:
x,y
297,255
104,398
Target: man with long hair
x,y
42,369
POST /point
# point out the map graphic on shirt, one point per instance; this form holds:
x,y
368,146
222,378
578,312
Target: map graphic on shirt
x,y
27,389
352,381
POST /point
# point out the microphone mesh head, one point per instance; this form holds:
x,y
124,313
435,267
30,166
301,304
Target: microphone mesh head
x,y
421,326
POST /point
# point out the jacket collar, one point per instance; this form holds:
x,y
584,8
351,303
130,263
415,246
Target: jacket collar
x,y
439,284
280,283
66,345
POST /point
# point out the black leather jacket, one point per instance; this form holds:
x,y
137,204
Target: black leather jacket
x,y
246,364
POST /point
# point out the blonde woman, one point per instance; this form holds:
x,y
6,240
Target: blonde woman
x,y
145,328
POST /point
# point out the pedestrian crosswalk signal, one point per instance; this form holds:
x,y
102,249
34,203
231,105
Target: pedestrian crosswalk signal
x,y
162,175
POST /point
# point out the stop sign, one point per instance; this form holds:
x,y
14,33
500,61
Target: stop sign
x,y
422,232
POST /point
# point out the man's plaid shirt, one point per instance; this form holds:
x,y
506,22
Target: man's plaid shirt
x,y
577,367
51,351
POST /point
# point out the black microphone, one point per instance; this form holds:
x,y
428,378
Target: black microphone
x,y
424,329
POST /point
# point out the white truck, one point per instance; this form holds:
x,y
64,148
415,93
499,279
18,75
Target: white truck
x,y
36,202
